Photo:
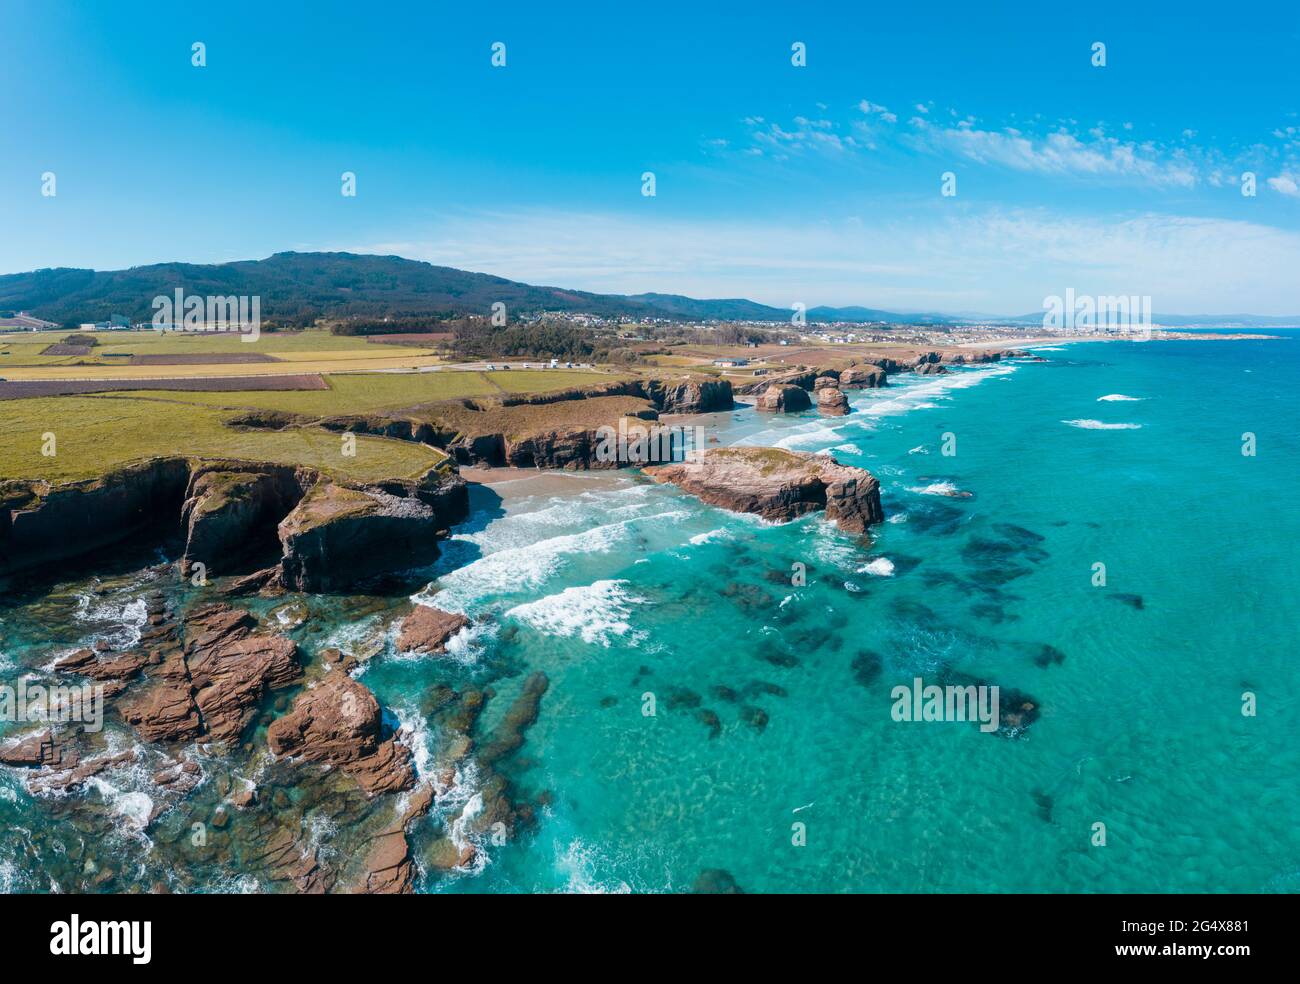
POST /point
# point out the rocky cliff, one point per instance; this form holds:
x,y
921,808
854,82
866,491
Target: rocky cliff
x,y
232,510
42,523
864,376
779,485
336,536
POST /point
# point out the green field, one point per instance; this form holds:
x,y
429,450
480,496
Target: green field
x,y
24,347
95,434
371,392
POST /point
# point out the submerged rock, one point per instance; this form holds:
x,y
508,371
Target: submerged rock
x,y
716,881
778,485
509,735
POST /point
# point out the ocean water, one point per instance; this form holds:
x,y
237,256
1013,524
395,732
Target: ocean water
x,y
772,698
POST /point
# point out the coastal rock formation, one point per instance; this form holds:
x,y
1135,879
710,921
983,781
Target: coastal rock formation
x,y
784,398
554,430
865,376
831,402
931,369
39,749
690,395
337,535
977,357
520,716
822,382
554,450
338,723
427,629
779,485
229,511
388,868
112,671
231,667
213,684
802,377
43,523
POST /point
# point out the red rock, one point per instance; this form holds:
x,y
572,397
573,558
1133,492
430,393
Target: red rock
x,y
389,869
40,748
427,629
338,723
85,662
164,711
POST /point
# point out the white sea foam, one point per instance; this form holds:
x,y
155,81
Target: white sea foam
x,y
1119,398
526,567
880,567
132,805
919,449
898,517
127,620
349,636
903,397
597,613
1100,425
834,548
940,488
414,734
847,448
579,864
712,536
814,433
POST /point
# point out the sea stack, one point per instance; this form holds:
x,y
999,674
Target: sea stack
x,y
831,401
784,398
778,485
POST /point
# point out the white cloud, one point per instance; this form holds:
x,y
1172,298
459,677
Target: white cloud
x,y
1285,184
1059,153
875,109
998,261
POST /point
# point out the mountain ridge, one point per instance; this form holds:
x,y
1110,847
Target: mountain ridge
x,y
297,288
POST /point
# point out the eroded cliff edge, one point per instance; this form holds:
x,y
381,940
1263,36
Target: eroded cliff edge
x,y
327,532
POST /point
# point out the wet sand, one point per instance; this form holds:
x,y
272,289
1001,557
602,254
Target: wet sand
x,y
519,483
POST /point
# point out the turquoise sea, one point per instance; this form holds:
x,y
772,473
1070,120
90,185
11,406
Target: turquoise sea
x,y
772,700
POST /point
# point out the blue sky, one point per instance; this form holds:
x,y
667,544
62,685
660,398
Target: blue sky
x,y
819,184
